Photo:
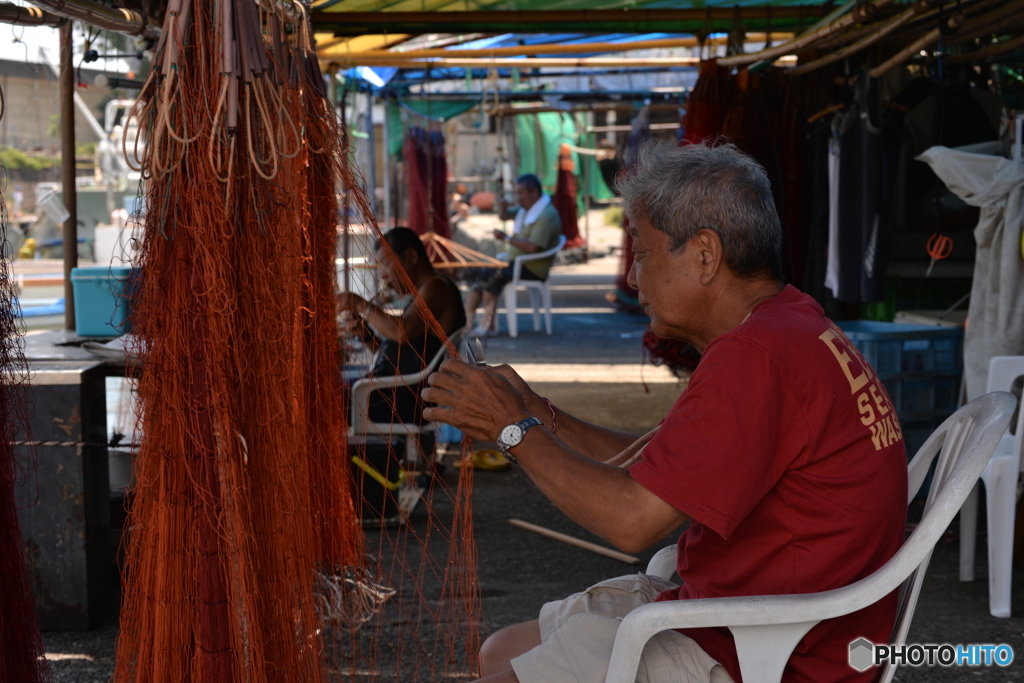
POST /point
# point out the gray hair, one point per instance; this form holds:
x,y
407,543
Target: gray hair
x,y
682,190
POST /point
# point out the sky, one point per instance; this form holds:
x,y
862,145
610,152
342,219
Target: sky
x,y
23,43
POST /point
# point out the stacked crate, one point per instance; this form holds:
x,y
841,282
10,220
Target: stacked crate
x,y
919,365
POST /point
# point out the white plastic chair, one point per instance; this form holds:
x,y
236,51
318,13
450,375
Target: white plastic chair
x,y
360,424
1000,478
767,628
540,294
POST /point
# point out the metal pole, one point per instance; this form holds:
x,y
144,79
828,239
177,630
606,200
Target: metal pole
x,y
586,160
386,139
67,162
371,176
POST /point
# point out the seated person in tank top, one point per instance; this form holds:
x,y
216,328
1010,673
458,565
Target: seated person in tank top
x,y
405,343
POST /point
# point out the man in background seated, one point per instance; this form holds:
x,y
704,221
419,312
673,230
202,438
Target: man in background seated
x,y
537,228
784,453
405,343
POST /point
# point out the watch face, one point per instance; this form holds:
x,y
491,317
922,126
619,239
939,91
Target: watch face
x,y
511,435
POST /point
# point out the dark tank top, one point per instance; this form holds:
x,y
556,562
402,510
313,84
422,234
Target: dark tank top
x,y
403,403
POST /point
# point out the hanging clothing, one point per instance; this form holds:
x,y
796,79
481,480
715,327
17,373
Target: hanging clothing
x,y
832,267
565,199
426,176
858,244
952,117
995,316
705,109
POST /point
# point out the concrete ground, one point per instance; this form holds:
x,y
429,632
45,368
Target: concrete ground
x,y
592,367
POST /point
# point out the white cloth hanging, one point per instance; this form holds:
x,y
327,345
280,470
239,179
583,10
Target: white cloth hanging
x,y
832,265
995,318
524,217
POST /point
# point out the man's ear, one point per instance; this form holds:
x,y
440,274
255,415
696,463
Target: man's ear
x,y
413,256
709,253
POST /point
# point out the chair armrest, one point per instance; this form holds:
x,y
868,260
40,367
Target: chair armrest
x,y
361,390
663,564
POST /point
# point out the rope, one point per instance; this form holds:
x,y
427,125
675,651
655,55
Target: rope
x,y
633,452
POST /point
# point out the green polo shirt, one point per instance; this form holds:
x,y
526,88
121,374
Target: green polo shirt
x,y
544,232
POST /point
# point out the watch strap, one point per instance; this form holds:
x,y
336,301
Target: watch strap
x,y
525,426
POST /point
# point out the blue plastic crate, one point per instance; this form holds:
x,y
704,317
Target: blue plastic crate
x,y
923,394
892,348
102,306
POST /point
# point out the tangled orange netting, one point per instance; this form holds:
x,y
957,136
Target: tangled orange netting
x,y
247,561
21,646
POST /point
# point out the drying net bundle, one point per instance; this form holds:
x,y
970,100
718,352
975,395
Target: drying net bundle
x,y
246,559
21,646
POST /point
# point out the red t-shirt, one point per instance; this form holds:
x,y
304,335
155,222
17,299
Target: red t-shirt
x,y
786,453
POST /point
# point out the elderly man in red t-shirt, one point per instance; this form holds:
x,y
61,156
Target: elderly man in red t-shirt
x,y
784,452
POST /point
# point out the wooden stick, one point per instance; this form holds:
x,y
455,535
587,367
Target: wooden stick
x,y
867,41
557,49
858,16
906,53
996,49
403,62
586,545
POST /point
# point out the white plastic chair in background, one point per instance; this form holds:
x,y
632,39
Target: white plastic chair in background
x,y
361,425
767,628
540,294
1000,479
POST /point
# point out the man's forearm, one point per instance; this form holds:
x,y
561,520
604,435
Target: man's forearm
x,y
602,498
592,441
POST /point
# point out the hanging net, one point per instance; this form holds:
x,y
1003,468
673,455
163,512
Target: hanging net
x,y
426,177
255,551
21,646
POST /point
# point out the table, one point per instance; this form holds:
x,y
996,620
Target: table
x,y
67,531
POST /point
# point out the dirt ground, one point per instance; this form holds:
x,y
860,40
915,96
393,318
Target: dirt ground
x,y
592,367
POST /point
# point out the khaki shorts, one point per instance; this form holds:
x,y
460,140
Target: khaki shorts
x,y
577,635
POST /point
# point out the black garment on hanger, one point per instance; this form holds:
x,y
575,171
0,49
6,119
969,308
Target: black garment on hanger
x,y
863,239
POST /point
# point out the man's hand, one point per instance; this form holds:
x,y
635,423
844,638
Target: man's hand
x,y
534,402
499,235
352,302
477,400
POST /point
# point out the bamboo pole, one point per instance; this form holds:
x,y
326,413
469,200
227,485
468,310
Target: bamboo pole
x,y
857,16
996,49
555,49
95,14
865,42
906,53
28,16
342,23
521,63
579,543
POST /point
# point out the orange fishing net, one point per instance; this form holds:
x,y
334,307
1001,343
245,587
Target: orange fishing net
x,y
247,561
21,646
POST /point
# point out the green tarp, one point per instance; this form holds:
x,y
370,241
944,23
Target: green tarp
x,y
539,136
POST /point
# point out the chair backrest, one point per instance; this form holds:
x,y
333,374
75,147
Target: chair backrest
x,y
963,443
1003,372
518,265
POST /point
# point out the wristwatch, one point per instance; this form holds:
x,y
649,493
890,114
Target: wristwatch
x,y
513,434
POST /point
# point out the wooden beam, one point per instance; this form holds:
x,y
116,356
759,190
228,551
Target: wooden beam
x,y
662,20
555,49
520,63
28,16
